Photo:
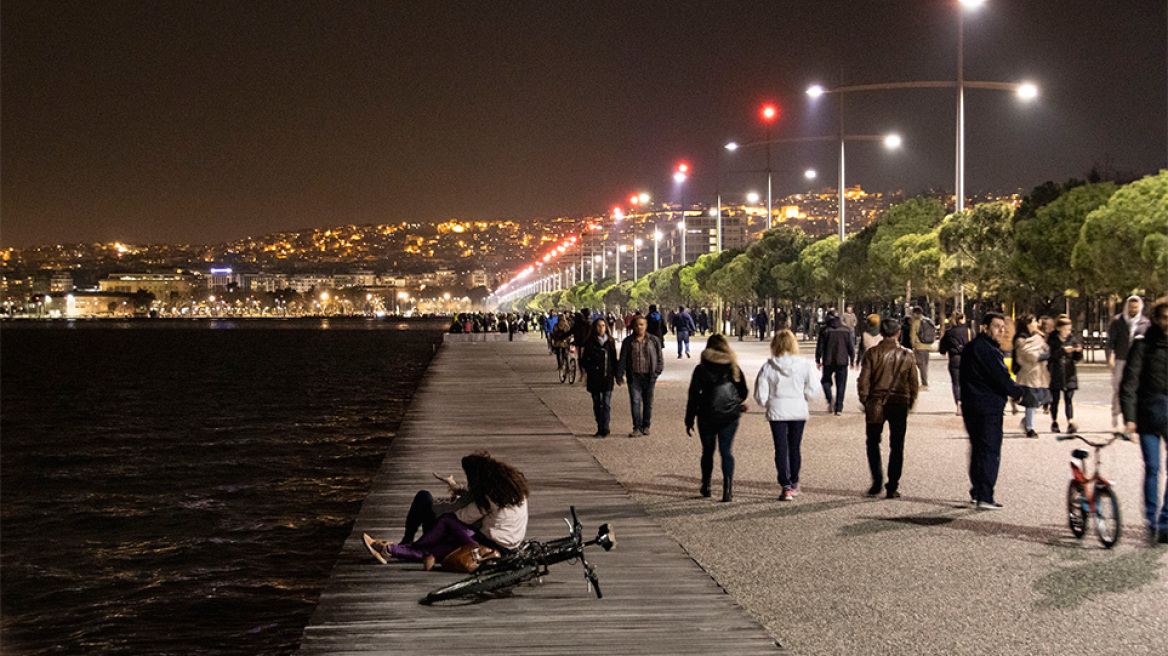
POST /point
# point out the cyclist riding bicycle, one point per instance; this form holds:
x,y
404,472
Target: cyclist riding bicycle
x,y
562,338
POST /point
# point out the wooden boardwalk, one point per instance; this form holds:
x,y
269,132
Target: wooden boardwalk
x,y
657,600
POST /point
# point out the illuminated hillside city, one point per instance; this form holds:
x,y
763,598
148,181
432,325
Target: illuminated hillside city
x,y
398,268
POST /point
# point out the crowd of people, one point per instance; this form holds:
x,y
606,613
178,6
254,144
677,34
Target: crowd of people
x,y
892,356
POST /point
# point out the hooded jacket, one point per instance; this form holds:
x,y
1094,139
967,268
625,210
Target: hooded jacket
x,y
836,345
1031,354
1123,331
1143,394
714,369
784,386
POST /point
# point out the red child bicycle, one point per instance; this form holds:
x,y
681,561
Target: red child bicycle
x,y
1092,497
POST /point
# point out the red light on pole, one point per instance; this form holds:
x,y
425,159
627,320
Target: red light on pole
x,y
769,113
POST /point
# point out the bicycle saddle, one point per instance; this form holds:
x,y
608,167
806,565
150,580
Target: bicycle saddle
x,y
1080,454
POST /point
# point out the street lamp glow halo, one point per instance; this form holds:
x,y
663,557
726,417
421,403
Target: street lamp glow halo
x,y
810,174
893,141
752,197
1027,91
732,146
815,90
679,177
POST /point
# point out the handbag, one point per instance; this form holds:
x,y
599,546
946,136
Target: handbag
x,y
468,558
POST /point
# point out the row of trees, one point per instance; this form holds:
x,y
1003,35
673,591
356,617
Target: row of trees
x,y
1075,240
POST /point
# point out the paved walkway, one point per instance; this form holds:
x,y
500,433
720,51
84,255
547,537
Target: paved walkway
x,y
657,599
837,573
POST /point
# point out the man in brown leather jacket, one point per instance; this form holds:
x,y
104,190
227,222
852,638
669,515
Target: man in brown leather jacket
x,y
888,386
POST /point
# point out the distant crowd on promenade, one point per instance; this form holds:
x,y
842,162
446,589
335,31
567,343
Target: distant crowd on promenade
x,y
892,356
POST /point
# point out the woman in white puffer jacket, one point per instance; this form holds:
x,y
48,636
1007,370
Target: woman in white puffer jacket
x,y
784,386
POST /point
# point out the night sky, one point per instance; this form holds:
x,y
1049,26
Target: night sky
x,y
200,122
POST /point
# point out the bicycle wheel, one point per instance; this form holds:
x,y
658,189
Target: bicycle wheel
x,y
1107,520
572,371
563,371
1076,509
485,583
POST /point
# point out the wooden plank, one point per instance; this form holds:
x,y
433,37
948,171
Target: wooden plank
x,y
657,600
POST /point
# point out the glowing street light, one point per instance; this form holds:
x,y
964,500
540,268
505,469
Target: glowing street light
x,y
752,197
810,174
1027,91
892,141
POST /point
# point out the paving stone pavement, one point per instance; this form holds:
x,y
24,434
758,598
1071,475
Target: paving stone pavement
x,y
835,572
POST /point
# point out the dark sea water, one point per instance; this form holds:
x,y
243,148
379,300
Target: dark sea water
x,y
185,488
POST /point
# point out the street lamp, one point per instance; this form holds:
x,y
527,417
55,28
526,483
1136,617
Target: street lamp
x,y
769,114
636,247
681,228
656,241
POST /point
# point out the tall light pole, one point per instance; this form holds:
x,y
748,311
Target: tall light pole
x,y
656,242
636,247
769,114
681,228
679,176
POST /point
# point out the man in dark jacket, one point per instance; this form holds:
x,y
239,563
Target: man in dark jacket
x,y
760,324
581,328
834,353
641,362
1124,329
1144,398
985,384
888,387
683,327
952,344
655,324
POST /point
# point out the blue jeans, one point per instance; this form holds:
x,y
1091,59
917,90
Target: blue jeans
x,y
840,372
724,437
641,399
1150,446
602,409
787,436
682,337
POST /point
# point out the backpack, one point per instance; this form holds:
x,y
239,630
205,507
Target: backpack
x,y
724,403
927,333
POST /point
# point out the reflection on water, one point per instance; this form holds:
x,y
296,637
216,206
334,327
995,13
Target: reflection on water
x,y
186,490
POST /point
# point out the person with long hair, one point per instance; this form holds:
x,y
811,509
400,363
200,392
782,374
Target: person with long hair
x,y
1030,355
716,392
599,361
1065,351
493,514
784,386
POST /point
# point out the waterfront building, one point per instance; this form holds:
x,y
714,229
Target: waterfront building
x,y
101,304
264,282
162,285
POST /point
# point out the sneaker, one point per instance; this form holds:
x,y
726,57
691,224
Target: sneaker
x,y
838,413
1032,434
1072,428
874,490
687,354
379,549
645,432
634,433
787,496
797,490
989,505
1054,427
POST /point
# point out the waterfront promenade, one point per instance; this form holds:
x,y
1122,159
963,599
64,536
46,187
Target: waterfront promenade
x,y
656,598
833,572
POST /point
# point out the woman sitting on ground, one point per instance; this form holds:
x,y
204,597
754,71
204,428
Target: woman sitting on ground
x,y
492,512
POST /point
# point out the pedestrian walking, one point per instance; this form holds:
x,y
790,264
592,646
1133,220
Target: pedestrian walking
x,y
703,322
1125,327
1065,350
599,362
835,351
952,344
784,386
985,385
716,392
870,337
640,363
656,325
848,318
919,335
888,386
1144,398
1030,356
760,324
683,326
741,323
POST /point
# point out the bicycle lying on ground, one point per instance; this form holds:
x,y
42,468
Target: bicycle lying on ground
x,y
531,560
1092,497
568,366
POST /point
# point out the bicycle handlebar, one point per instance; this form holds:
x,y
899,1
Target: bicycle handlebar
x,y
1098,445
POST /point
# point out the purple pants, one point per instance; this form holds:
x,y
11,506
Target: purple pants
x,y
447,534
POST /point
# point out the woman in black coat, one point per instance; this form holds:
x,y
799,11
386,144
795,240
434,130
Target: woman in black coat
x,y
1065,351
598,360
716,393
